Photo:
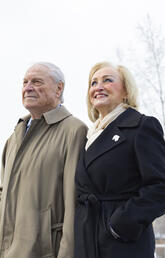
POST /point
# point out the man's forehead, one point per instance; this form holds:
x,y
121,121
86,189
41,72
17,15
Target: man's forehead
x,y
37,70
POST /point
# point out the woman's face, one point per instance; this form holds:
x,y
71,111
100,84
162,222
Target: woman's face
x,y
106,90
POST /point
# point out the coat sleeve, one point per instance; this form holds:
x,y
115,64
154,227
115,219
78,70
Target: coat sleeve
x,y
77,141
131,219
3,168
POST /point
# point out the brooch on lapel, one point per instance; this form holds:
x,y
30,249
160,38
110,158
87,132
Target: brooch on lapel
x,y
115,138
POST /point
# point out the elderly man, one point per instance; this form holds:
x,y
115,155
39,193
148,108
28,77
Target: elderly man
x,y
38,168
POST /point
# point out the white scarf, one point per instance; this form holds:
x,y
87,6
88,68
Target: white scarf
x,y
101,124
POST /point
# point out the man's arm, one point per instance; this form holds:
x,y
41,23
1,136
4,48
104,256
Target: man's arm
x,y
3,168
77,142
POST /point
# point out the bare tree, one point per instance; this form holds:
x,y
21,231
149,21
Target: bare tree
x,y
153,68
146,60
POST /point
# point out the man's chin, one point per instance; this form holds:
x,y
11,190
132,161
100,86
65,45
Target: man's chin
x,y
29,106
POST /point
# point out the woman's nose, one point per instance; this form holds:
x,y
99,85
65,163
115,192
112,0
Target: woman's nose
x,y
99,86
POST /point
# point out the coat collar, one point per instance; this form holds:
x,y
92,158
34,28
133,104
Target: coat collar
x,y
56,115
105,141
51,117
129,118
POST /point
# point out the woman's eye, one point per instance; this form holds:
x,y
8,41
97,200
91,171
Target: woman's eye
x,y
93,83
108,80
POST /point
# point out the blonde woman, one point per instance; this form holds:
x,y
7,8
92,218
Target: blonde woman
x,y
120,179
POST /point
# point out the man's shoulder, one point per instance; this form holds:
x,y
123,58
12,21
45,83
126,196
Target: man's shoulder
x,y
74,122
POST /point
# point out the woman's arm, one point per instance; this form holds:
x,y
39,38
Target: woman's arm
x,y
129,220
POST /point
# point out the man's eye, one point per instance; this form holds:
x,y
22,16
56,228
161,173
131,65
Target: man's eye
x,y
38,83
93,83
108,80
25,82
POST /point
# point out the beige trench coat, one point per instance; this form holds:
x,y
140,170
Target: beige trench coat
x,y
37,204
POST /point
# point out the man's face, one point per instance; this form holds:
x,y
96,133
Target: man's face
x,y
40,92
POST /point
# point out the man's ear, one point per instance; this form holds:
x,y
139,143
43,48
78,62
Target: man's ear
x,y
60,87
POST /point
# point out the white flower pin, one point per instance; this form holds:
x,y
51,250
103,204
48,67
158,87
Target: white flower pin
x,y
115,138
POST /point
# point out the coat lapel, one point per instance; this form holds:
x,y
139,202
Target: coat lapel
x,y
112,136
108,139
51,117
20,132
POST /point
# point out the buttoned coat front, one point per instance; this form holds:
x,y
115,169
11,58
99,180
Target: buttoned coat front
x,y
37,204
120,183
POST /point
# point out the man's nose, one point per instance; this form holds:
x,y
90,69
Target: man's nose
x,y
29,86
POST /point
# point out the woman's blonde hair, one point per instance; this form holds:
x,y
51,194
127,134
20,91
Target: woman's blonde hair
x,y
128,82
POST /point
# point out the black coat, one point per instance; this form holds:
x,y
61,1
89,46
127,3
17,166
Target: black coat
x,y
120,182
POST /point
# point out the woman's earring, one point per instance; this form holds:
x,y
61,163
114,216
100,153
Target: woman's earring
x,y
125,100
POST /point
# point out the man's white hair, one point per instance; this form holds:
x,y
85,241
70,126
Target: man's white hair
x,y
55,73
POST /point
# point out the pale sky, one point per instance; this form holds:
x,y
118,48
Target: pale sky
x,y
73,34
